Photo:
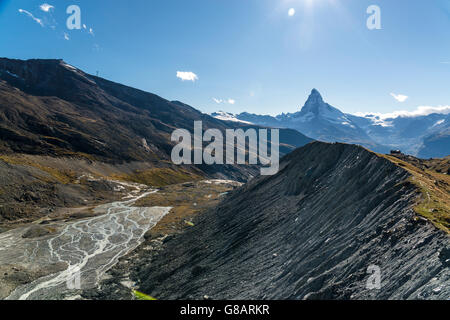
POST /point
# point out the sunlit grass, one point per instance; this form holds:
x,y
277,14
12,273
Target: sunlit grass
x,y
434,203
62,176
142,296
159,177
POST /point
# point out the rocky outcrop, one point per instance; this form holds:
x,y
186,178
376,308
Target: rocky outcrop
x,y
313,231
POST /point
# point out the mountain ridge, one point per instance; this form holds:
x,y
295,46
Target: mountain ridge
x,y
59,109
310,232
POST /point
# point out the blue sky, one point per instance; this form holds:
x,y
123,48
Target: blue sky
x,y
250,52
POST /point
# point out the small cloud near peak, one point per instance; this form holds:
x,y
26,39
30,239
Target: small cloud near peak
x,y
219,101
399,97
187,76
46,7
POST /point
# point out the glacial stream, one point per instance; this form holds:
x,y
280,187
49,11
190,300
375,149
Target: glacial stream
x,y
88,247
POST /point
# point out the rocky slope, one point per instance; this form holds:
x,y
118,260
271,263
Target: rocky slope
x,y
309,232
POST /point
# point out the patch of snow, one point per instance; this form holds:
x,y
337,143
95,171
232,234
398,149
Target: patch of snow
x,y
438,123
12,74
77,71
68,66
346,123
226,116
378,120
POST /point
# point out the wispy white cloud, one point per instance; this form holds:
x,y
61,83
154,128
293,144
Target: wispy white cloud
x,y
187,76
291,12
399,97
66,36
39,21
46,7
219,101
420,111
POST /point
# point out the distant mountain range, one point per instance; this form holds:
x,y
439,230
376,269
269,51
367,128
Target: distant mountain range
x,y
424,136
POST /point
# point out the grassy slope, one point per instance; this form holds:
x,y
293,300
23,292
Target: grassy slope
x,y
63,176
158,177
434,184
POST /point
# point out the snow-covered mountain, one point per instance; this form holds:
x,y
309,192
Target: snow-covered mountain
x,y
422,135
226,116
435,145
408,133
324,122
318,120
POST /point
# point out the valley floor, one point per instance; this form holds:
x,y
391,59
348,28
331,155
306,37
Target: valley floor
x,y
40,259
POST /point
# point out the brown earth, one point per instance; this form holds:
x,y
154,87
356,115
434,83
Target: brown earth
x,y
47,188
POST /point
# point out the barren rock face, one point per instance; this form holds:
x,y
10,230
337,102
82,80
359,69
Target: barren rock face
x,y
313,231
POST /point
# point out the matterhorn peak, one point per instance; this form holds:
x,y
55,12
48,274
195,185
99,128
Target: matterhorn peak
x,y
315,97
314,102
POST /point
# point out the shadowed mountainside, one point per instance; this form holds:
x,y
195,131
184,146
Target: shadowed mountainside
x,y
49,108
52,108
